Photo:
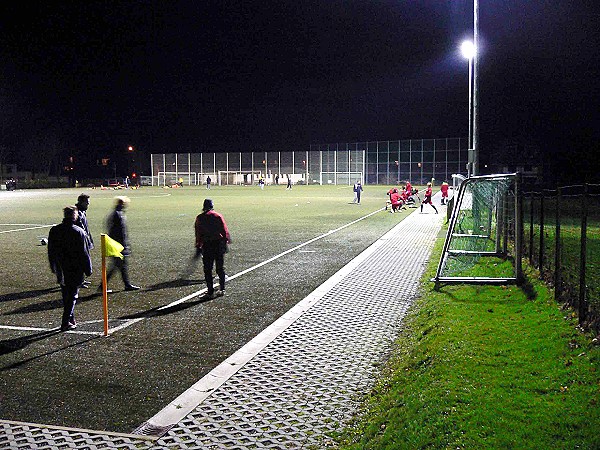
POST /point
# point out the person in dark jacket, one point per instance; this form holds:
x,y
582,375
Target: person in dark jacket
x,y
117,229
83,203
69,257
212,238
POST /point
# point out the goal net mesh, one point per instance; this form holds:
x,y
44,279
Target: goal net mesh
x,y
226,177
483,223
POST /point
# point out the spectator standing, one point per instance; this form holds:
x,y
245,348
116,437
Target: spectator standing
x,y
83,203
444,188
212,238
357,190
69,257
117,229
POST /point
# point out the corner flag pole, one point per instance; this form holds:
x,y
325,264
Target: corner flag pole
x,y
104,290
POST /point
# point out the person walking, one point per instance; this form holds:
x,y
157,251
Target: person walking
x,y
117,229
212,239
208,181
83,203
69,257
427,198
357,190
444,188
289,182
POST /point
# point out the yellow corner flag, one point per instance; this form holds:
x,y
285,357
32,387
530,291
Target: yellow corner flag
x,y
112,247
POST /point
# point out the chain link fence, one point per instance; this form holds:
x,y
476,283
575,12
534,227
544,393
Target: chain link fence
x,y
562,240
377,162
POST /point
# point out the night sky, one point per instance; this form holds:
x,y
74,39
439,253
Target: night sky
x,y
90,78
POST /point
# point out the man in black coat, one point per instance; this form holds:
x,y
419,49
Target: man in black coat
x,y
83,203
117,229
69,257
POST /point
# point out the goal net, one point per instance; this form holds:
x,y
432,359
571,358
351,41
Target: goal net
x,y
170,178
483,243
348,178
227,177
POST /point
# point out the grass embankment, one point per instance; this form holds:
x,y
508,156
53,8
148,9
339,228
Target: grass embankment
x,y
485,367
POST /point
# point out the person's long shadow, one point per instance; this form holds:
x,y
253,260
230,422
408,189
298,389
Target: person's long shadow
x,y
49,305
27,294
164,310
37,337
171,284
13,345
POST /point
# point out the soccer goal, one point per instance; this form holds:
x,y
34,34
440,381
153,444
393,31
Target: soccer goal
x,y
483,243
228,177
170,178
348,178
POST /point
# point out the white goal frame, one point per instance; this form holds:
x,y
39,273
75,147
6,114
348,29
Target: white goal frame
x,y
504,217
236,177
192,177
352,177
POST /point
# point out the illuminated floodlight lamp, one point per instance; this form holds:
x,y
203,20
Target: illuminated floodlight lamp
x,y
467,49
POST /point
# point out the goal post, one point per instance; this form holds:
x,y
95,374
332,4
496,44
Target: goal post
x,y
483,242
232,177
347,178
170,178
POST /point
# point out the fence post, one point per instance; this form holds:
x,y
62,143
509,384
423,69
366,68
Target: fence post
x,y
541,253
557,249
583,257
531,229
518,229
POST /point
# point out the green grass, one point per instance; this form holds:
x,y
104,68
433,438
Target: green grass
x,y
570,236
484,367
117,383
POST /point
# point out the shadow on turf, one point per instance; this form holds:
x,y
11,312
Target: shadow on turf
x,y
27,294
12,345
33,338
48,304
157,312
180,282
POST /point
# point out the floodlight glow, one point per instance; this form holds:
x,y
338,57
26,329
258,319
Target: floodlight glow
x,y
468,49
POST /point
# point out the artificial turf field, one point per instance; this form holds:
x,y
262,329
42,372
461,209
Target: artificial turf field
x,y
82,379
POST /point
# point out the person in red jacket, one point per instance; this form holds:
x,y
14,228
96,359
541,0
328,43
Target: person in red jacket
x,y
396,200
427,199
444,188
212,239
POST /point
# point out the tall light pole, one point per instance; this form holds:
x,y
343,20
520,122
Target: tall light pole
x,y
468,51
475,162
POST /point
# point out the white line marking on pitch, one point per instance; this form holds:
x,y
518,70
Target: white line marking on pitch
x,y
23,229
130,322
257,266
9,327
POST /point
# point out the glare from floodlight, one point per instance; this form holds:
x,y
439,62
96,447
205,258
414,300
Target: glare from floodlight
x,y
468,49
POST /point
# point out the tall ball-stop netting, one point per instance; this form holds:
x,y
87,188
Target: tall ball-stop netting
x,y
485,223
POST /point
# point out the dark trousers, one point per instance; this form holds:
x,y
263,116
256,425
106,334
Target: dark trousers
x,y
69,298
212,254
123,266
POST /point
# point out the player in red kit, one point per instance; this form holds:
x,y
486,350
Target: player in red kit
x,y
427,199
